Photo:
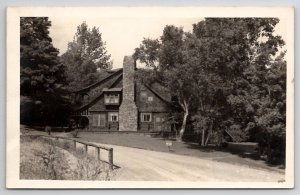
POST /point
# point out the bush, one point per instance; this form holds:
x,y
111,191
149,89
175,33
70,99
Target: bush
x,y
88,168
272,145
48,130
40,160
75,133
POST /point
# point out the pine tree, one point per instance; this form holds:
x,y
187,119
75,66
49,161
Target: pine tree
x,y
43,80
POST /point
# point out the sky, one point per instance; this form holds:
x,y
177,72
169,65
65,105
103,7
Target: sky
x,y
122,35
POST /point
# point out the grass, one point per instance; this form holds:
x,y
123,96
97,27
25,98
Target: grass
x,y
45,159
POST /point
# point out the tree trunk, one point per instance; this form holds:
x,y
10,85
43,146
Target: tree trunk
x,y
207,138
202,137
185,106
182,130
209,133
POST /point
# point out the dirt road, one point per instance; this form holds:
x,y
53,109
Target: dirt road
x,y
144,165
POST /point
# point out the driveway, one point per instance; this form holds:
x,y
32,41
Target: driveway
x,y
144,165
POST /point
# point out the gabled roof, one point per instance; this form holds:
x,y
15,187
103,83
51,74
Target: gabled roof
x,y
159,91
117,78
108,74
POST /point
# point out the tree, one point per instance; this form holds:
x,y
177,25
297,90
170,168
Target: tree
x,y
228,72
42,74
148,52
85,55
242,51
167,60
41,69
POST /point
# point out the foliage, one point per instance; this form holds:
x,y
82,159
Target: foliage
x,y
41,69
228,74
48,130
85,55
75,133
44,159
148,52
44,98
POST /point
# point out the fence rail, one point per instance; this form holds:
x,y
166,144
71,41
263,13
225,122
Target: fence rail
x,y
86,144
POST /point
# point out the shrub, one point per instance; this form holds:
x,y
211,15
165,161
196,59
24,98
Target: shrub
x,y
88,168
75,133
272,145
42,161
48,130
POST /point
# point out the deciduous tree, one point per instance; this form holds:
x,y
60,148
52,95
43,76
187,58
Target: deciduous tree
x,y
85,55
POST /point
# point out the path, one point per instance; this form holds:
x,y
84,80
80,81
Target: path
x,y
144,165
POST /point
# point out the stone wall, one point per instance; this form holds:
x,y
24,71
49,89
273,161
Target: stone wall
x,y
128,114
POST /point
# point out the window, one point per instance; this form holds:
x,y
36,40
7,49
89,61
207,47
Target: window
x,y
111,99
98,120
146,117
113,117
150,99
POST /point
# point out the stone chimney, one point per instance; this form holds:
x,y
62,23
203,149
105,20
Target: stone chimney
x,y
128,114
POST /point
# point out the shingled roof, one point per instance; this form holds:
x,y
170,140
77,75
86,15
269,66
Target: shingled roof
x,y
115,77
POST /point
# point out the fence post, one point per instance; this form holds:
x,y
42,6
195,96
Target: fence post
x,y
110,159
74,144
98,152
86,148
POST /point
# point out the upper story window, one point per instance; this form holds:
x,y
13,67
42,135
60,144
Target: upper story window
x,y
146,117
150,99
112,98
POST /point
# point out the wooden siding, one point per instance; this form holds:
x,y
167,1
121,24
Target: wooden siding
x,y
155,124
144,105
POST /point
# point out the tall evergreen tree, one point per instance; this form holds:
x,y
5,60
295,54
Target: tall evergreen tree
x,y
43,79
41,69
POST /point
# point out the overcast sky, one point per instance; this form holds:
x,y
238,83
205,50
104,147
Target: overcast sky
x,y
121,35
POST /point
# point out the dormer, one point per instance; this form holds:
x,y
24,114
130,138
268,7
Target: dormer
x,y
112,96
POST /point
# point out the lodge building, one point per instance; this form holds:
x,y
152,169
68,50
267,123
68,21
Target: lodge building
x,y
119,102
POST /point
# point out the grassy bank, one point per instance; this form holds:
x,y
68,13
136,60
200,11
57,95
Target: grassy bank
x,y
45,159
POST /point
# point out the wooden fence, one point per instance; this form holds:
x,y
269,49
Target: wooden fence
x,y
86,144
